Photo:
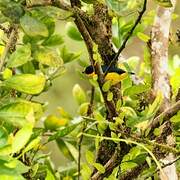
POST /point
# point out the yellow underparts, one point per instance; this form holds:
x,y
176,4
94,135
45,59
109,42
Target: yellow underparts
x,y
115,77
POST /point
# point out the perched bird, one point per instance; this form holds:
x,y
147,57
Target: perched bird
x,y
113,74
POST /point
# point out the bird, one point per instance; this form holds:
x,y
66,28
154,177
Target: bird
x,y
113,74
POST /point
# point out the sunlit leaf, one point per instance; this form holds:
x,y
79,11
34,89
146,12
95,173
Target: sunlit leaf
x,y
143,36
136,89
18,114
12,167
128,111
110,96
106,86
33,144
86,172
99,167
175,81
72,150
48,57
79,94
7,73
21,138
89,157
6,150
154,107
83,108
26,83
21,56
49,175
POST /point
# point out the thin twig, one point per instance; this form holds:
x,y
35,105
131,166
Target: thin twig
x,y
89,113
8,46
129,34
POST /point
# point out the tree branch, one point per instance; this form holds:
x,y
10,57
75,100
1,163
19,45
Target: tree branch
x,y
129,34
62,5
9,44
165,165
166,115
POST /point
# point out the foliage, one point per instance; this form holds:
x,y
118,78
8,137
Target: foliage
x,y
40,55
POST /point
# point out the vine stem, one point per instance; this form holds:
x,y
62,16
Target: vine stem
x,y
131,142
89,113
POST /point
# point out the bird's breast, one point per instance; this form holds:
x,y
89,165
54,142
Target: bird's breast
x,y
115,77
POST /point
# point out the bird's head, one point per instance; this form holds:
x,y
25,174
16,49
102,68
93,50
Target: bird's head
x,y
89,71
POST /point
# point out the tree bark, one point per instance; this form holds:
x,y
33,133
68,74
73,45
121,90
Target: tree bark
x,y
160,79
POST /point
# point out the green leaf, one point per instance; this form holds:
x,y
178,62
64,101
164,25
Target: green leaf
x,y
110,96
99,167
143,36
34,143
83,108
3,137
106,86
12,10
21,138
18,114
49,175
136,89
64,149
157,131
164,3
73,32
89,157
33,27
11,166
48,57
63,132
54,40
128,111
175,81
98,116
7,73
26,83
72,150
28,68
69,56
86,172
21,56
49,23
79,94
154,107
6,150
